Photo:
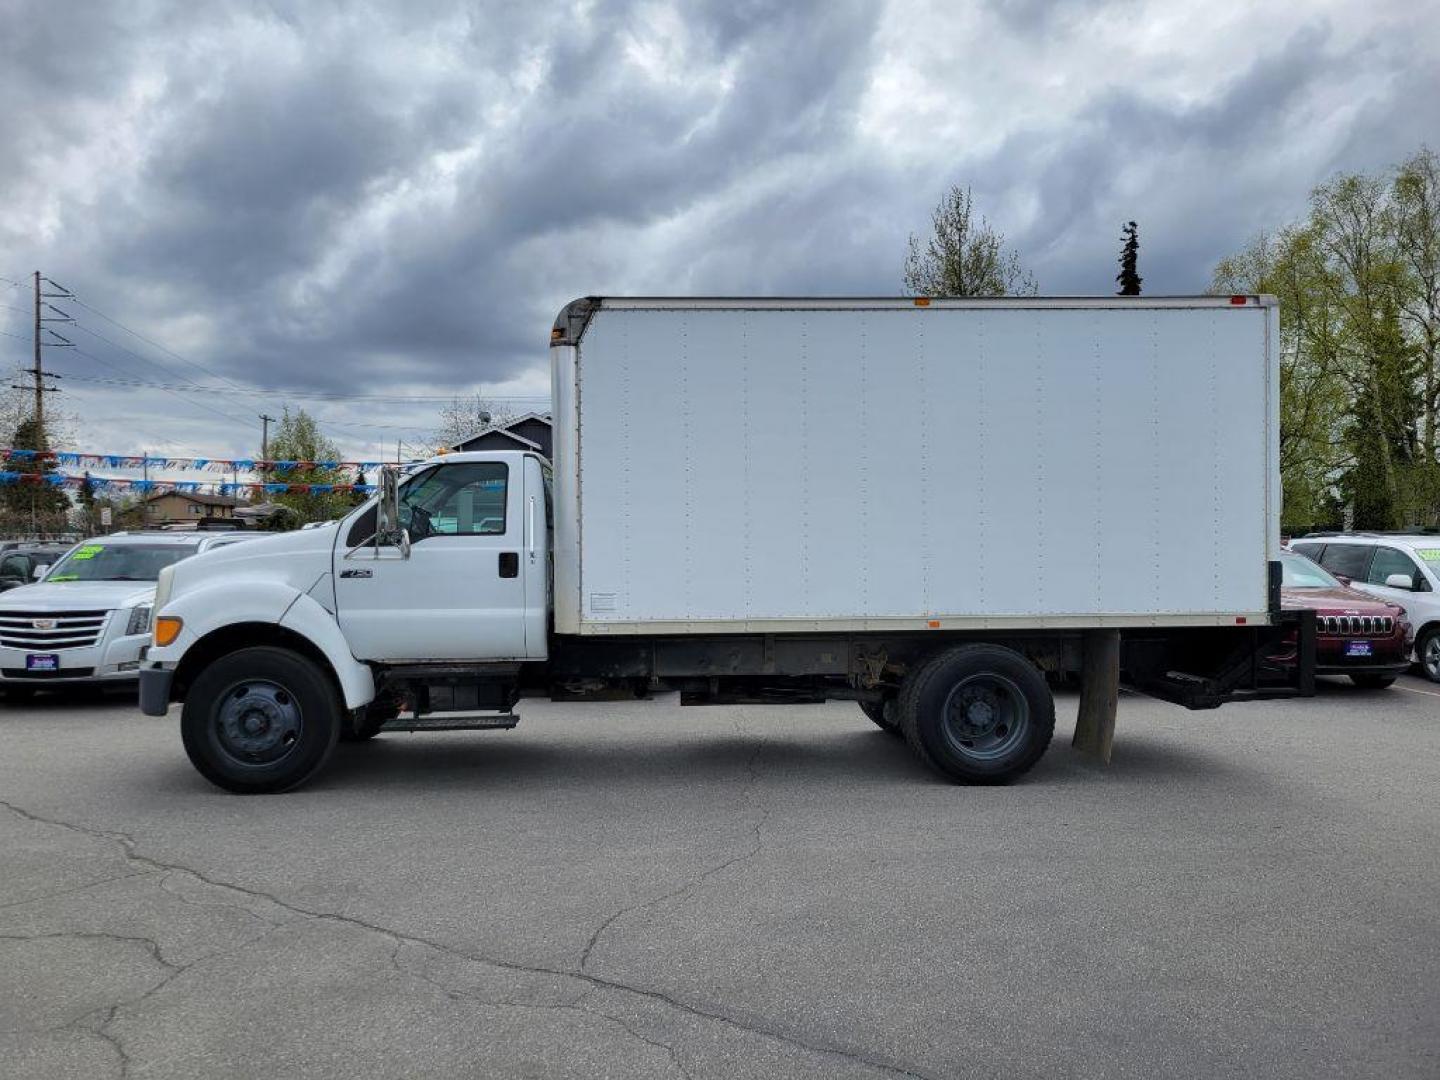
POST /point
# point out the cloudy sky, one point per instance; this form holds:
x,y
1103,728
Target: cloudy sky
x,y
346,204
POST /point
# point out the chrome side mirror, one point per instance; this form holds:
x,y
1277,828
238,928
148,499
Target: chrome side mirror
x,y
388,529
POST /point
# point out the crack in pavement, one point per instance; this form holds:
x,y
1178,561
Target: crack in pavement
x,y
73,889
694,882
752,1026
472,997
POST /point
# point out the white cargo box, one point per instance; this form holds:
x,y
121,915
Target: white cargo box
x,y
789,465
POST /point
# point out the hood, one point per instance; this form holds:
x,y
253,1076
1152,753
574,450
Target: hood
x,y
1337,601
77,595
298,558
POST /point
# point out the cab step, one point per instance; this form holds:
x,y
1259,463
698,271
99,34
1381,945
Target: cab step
x,y
453,722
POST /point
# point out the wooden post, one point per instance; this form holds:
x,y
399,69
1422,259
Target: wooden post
x,y
1099,693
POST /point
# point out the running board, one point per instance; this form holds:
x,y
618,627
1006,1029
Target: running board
x,y
453,722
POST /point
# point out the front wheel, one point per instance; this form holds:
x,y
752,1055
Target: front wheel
x,y
1371,681
260,720
978,714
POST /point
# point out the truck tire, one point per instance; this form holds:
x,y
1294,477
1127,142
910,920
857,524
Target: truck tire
x,y
260,720
977,714
883,713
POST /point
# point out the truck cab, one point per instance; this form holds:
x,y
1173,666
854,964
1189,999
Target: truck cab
x,y
466,577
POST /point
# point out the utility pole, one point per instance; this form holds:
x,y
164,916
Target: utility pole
x,y
265,422
39,368
38,371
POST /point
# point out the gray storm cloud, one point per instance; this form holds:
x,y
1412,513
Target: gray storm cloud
x,y
376,200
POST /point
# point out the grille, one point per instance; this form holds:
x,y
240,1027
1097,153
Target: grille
x,y
70,629
1356,625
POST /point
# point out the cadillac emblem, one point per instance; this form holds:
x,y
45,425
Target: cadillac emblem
x,y
44,624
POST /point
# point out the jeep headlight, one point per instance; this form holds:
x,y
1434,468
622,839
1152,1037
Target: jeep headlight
x,y
139,621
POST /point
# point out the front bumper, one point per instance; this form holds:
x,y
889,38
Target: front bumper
x,y
155,690
116,661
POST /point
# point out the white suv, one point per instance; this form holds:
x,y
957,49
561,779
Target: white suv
x,y
88,617
1402,569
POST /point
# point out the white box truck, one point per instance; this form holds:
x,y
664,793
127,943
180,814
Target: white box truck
x,y
922,505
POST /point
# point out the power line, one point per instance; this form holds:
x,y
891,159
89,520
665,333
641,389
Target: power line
x,y
188,401
152,343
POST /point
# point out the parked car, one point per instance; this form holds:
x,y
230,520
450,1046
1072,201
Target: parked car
x,y
87,621
1402,569
22,565
1356,635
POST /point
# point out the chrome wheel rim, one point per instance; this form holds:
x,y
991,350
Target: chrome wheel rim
x,y
1430,658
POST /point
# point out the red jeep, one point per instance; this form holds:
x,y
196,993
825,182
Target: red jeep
x,y
1355,634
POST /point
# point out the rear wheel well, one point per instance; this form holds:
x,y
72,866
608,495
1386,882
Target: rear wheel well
x,y
238,636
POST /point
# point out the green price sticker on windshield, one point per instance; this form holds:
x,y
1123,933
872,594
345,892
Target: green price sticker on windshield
x,y
89,551
1429,554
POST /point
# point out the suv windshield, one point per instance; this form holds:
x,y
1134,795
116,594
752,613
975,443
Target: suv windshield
x,y
118,562
1300,573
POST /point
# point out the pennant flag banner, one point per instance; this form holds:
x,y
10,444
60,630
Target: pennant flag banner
x,y
142,461
101,484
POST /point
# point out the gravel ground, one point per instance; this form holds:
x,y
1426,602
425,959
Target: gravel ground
x,y
636,890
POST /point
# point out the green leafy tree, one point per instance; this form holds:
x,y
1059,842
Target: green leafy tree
x,y
1129,276
964,255
1359,287
297,438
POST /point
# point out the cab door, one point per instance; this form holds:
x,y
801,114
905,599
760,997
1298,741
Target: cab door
x,y
461,593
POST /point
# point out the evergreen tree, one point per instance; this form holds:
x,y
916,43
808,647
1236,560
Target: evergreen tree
x,y
33,505
87,504
1129,276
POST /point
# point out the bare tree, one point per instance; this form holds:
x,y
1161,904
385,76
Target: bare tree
x,y
965,255
465,416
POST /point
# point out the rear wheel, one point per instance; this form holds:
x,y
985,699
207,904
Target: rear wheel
x,y
260,720
883,713
1372,681
978,714
1427,651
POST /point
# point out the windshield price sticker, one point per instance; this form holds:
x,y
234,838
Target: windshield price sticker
x,y
1429,554
89,551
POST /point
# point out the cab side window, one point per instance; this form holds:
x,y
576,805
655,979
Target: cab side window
x,y
464,499
15,566
1394,561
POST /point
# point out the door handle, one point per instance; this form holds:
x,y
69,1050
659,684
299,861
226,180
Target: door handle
x,y
509,564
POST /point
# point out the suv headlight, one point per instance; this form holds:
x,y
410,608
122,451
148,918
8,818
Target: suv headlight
x,y
139,621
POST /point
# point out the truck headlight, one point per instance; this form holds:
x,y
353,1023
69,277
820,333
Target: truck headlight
x,y
139,621
163,584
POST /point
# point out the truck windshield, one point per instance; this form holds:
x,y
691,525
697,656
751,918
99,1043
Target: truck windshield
x,y
118,562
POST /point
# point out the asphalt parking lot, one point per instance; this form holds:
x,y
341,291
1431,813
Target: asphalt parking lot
x,y
637,890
